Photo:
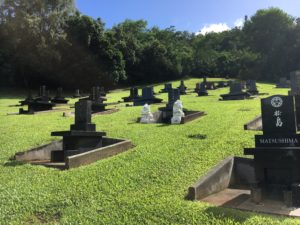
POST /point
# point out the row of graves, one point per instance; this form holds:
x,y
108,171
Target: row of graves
x,y
173,112
44,103
268,183
81,145
241,90
256,123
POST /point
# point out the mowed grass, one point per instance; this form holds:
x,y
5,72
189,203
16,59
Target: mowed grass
x,y
146,185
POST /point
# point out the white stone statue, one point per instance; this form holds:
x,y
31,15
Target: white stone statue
x,y
177,112
147,116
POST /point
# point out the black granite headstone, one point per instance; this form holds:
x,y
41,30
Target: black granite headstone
x,y
173,96
277,151
182,88
202,90
278,115
147,93
83,118
77,94
166,88
82,136
147,97
235,87
295,83
251,87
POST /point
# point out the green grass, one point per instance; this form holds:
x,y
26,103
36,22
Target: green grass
x,y
146,185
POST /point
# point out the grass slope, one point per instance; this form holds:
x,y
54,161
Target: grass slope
x,y
146,185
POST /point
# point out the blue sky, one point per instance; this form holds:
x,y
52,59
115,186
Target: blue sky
x,y
190,15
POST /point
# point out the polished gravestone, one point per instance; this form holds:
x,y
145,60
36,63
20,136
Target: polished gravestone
x,y
82,136
147,97
97,100
295,83
277,151
27,100
295,91
167,111
134,94
210,85
269,182
77,94
220,84
182,88
166,88
81,145
40,103
251,87
283,83
202,90
197,87
59,98
235,92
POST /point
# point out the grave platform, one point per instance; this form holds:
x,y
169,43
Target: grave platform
x,y
235,96
241,199
189,116
42,155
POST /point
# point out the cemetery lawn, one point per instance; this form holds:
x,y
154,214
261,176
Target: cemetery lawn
x,y
145,185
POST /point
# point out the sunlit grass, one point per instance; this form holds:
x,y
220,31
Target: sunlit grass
x,y
146,185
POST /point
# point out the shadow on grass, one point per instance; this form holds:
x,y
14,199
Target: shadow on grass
x,y
197,136
226,213
13,163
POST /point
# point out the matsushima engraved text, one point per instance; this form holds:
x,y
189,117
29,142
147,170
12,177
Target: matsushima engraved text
x,y
278,141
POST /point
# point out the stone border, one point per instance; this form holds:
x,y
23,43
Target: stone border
x,y
42,154
231,172
255,124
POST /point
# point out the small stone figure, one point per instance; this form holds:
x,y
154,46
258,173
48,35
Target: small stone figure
x,y
147,116
177,112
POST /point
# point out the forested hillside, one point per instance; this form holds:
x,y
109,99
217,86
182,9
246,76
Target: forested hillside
x,y
51,42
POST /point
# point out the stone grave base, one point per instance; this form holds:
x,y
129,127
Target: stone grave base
x,y
42,154
255,124
141,102
228,185
189,116
239,96
241,199
107,111
38,112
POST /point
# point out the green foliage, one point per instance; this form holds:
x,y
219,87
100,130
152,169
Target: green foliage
x,y
145,185
48,42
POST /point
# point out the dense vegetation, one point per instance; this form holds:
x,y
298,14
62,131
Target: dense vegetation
x,y
50,42
145,185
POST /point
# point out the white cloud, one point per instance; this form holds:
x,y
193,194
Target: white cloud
x,y
216,28
239,22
